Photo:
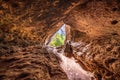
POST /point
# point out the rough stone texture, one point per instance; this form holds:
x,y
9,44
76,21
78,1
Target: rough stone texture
x,y
68,50
96,18
97,23
92,21
31,63
27,23
43,14
101,56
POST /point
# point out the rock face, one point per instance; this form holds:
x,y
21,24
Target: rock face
x,y
97,23
101,56
31,63
96,18
68,50
94,22
43,15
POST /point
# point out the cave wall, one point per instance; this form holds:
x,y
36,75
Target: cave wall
x,y
31,63
95,22
96,18
27,23
96,26
42,15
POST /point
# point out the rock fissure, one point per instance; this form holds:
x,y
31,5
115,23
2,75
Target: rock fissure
x,y
92,29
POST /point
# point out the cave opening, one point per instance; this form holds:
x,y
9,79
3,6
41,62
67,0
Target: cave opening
x,y
58,38
60,44
28,29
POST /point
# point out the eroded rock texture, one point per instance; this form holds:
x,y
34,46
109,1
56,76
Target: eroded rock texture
x,y
95,22
101,56
31,63
96,18
43,15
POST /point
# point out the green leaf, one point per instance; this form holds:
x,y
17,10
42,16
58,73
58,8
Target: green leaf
x,y
58,40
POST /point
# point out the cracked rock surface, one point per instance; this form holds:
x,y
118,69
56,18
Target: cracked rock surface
x,y
28,23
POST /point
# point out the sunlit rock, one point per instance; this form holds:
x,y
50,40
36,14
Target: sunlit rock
x,y
94,24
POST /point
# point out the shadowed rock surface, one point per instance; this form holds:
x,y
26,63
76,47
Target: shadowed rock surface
x,y
95,23
101,56
31,63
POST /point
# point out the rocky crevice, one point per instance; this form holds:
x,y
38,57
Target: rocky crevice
x,y
94,22
101,56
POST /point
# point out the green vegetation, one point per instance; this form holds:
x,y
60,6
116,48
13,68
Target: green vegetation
x,y
58,40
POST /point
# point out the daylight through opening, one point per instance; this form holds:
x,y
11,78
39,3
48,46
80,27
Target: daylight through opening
x,y
58,39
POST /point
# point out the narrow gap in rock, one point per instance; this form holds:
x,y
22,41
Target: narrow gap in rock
x,y
60,45
58,39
